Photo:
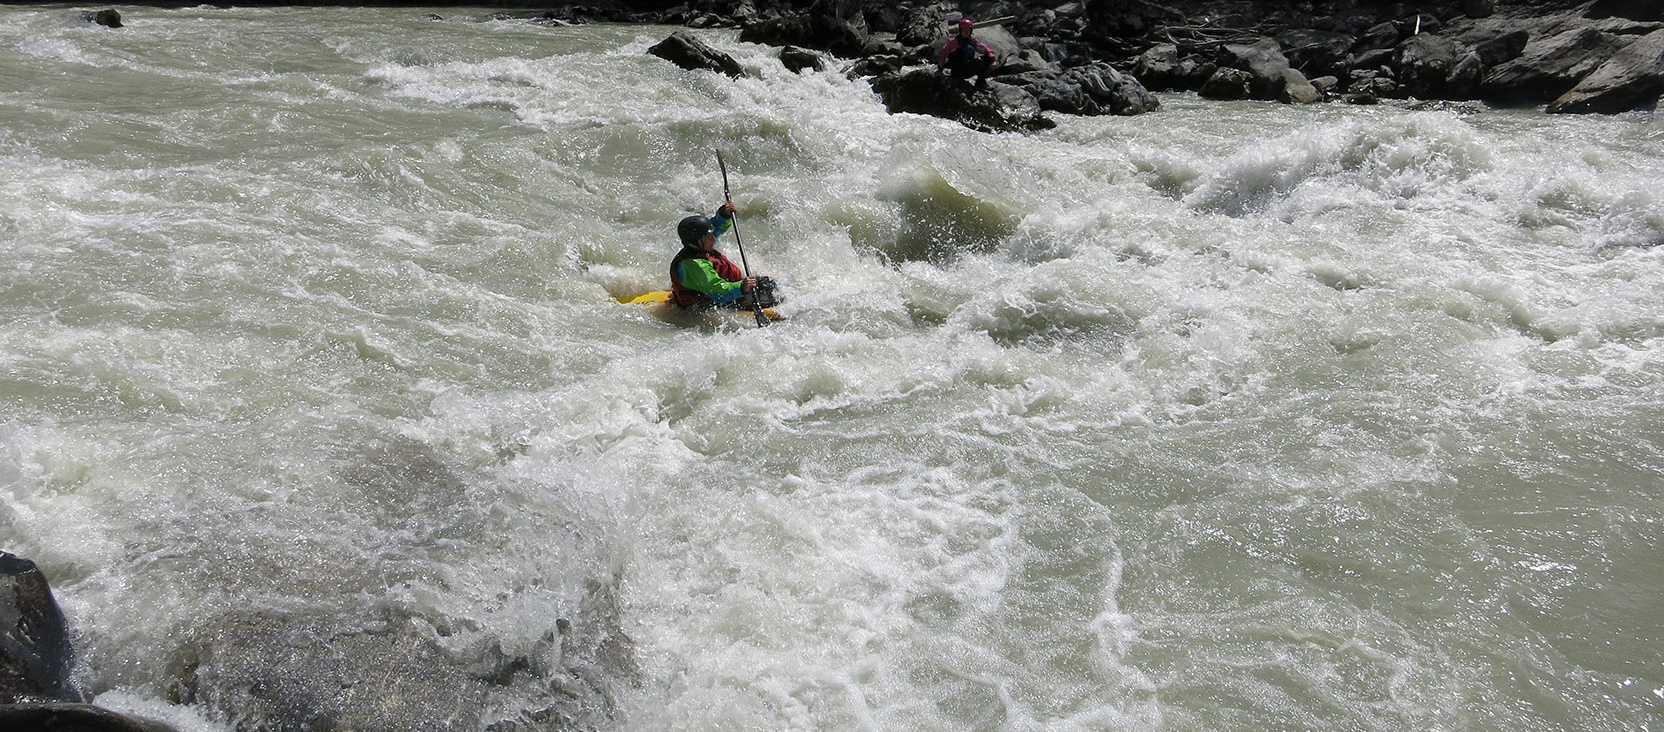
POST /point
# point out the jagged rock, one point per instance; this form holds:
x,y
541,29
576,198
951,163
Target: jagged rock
x,y
682,49
1297,89
1381,35
1549,68
272,672
1263,60
798,59
999,107
926,25
1431,66
1159,68
1095,89
1500,49
1315,51
35,652
1632,78
876,65
1227,84
819,32
1026,61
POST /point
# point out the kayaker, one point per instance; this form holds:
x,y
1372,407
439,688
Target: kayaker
x,y
964,56
701,276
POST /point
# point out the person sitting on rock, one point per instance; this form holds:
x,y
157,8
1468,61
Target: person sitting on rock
x,y
964,56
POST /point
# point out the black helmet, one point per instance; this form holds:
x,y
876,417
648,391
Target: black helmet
x,y
694,228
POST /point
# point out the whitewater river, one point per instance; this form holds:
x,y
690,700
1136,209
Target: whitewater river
x,y
319,405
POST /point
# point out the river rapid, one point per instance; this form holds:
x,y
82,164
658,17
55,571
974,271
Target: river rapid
x,y
1233,416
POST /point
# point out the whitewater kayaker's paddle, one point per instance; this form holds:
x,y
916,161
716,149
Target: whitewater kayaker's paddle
x,y
756,307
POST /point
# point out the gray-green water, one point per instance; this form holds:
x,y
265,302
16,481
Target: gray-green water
x,y
1228,417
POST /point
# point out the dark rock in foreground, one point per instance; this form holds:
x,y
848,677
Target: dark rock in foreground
x,y
34,644
35,657
70,717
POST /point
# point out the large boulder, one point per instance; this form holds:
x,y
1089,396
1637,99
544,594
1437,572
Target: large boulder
x,y
1437,67
1297,89
1550,67
1631,79
682,49
1227,84
926,25
1263,60
998,107
799,60
1093,89
829,33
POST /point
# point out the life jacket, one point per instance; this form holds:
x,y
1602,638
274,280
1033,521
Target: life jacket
x,y
684,297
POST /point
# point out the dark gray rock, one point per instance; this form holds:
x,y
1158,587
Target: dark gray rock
x,y
1437,67
999,107
35,658
1499,49
35,653
1381,35
72,717
108,18
1633,78
1094,89
682,49
1227,84
926,25
1550,67
272,672
820,32
798,60
1159,68
1315,51
1263,60
1478,8
1297,89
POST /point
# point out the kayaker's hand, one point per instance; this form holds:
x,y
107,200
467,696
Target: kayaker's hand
x,y
727,209
748,284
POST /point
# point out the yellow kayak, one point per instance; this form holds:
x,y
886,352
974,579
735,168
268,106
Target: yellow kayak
x,y
662,297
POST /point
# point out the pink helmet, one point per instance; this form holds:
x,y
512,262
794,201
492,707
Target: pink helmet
x,y
967,23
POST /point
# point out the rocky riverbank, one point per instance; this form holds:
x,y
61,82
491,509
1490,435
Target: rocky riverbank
x,y
1102,56
1094,57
